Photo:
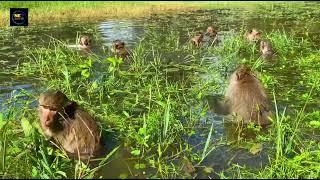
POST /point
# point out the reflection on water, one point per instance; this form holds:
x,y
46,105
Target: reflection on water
x,y
127,31
121,165
229,23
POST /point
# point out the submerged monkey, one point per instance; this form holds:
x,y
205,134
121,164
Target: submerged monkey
x,y
85,42
266,49
253,35
210,37
118,47
197,39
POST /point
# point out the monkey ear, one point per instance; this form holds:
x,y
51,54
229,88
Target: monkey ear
x,y
70,108
58,92
72,104
238,76
61,94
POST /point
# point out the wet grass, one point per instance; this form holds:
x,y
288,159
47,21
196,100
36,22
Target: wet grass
x,y
154,109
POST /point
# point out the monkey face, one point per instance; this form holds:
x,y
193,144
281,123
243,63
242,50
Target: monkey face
x,y
47,116
210,29
85,41
254,35
50,104
211,32
242,72
117,44
265,46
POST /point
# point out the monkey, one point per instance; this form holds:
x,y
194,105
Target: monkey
x,y
118,47
246,97
69,126
197,39
212,32
253,36
266,49
85,42
210,36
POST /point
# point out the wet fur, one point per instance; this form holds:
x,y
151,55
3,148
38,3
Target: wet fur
x,y
197,39
246,97
118,47
253,36
73,128
266,49
85,42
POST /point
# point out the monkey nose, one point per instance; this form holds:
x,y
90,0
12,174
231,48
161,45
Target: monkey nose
x,y
48,117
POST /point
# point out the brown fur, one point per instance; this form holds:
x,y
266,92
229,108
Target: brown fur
x,y
266,48
118,47
246,97
197,39
254,35
85,42
211,32
68,125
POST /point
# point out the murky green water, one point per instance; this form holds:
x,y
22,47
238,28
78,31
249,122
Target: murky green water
x,y
229,22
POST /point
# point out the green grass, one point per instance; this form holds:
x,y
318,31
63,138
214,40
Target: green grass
x,y
40,12
153,114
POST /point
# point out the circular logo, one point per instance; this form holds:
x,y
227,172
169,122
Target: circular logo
x,y
18,17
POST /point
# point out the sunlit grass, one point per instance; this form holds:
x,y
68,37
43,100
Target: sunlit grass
x,y
48,12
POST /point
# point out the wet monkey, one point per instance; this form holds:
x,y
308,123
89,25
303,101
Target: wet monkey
x,y
211,32
118,47
211,36
246,97
197,39
266,49
253,35
69,126
85,42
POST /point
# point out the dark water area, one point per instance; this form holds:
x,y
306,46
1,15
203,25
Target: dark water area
x,y
229,22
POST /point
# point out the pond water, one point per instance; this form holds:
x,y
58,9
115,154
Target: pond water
x,y
229,21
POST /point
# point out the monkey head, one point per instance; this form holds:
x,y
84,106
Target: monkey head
x,y
242,72
211,31
254,35
117,44
265,47
53,106
85,41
